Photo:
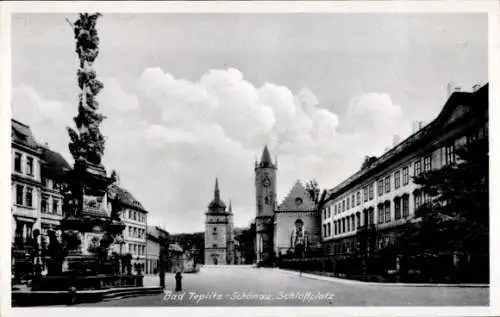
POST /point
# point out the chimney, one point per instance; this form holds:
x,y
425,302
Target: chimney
x,y
417,125
452,87
476,87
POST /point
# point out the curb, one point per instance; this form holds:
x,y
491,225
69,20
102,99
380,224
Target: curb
x,y
356,282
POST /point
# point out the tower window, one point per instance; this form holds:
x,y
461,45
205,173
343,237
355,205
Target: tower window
x,y
214,245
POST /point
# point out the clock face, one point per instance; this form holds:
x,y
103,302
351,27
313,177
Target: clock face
x,y
266,182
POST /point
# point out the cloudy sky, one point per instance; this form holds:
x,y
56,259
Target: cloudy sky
x,y
191,97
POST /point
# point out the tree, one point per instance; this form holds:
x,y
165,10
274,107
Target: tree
x,y
246,240
455,215
313,190
369,160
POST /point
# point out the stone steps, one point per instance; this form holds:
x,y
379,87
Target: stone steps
x,y
43,298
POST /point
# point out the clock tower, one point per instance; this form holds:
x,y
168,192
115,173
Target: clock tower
x,y
218,231
265,191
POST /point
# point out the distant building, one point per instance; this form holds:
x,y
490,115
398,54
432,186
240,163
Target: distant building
x,y
293,226
297,223
219,236
382,197
156,241
135,218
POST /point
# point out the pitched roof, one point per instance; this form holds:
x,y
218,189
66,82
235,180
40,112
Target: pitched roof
x,y
125,197
54,163
21,133
298,199
175,247
477,101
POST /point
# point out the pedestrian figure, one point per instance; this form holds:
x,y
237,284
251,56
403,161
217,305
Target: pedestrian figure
x,y
162,279
178,282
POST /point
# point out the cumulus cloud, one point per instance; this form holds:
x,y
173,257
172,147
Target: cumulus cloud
x,y
170,137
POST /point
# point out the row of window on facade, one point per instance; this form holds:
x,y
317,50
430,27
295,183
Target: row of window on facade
x,y
384,183
137,249
349,245
384,215
24,197
18,164
29,170
136,216
134,232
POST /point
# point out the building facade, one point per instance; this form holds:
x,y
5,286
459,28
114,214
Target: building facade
x,y
293,226
37,178
156,241
296,223
219,236
135,218
382,196
26,183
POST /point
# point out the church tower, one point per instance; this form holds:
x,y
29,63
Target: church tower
x,y
265,191
216,230
230,236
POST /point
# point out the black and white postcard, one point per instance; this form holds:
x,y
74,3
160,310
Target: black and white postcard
x,y
258,158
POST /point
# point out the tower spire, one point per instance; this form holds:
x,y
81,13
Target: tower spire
x,y
265,160
217,203
216,190
230,207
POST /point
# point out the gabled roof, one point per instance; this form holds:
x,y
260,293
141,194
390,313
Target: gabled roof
x,y
298,199
125,197
21,133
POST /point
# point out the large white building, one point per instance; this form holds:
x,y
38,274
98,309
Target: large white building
x,y
37,174
383,195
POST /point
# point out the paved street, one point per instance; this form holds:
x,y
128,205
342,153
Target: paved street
x,y
248,286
